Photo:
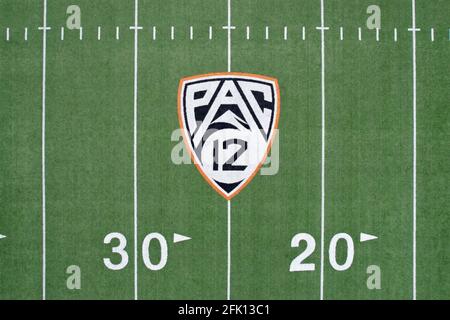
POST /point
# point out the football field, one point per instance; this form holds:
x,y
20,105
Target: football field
x,y
99,198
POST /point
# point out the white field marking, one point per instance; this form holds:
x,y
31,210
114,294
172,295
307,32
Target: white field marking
x,y
414,30
99,33
25,35
359,34
341,33
117,33
395,35
7,34
191,33
172,33
303,33
44,29
377,34
62,33
180,238
2,236
229,250
81,33
229,27
285,33
267,33
247,36
154,33
363,237
432,34
210,32
322,206
136,29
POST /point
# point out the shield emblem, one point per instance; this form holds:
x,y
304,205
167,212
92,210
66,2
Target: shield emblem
x,y
228,122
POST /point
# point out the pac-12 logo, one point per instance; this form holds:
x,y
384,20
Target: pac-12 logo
x,y
228,122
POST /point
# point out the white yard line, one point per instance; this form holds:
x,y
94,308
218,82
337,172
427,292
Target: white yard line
x,y
229,250
414,30
303,33
44,29
359,34
99,33
62,33
154,33
191,33
247,36
229,28
25,36
432,34
267,32
341,33
7,34
285,33
395,34
117,33
136,29
210,33
81,33
377,33
322,206
172,33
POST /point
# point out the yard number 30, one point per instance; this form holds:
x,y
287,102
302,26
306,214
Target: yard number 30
x,y
123,255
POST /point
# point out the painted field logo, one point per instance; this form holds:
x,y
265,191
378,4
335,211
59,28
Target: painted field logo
x,y
228,122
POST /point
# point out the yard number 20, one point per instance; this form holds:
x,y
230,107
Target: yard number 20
x,y
298,265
